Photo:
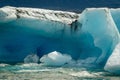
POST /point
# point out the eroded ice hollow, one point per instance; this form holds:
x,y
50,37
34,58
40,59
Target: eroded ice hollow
x,y
92,34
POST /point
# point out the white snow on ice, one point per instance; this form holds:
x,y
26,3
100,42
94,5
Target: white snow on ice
x,y
9,13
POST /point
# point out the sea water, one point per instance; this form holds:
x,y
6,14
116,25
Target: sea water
x,y
40,72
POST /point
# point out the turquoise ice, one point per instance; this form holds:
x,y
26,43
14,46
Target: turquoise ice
x,y
90,35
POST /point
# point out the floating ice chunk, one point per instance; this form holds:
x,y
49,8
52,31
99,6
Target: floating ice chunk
x,y
3,64
55,59
113,63
82,74
30,65
32,58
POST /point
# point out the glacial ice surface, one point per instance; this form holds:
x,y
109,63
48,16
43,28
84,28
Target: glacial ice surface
x,y
103,31
94,33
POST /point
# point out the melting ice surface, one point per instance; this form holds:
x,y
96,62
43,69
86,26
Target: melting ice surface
x,y
87,39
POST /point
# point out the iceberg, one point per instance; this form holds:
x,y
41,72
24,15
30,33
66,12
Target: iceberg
x,y
31,58
90,35
113,63
55,59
